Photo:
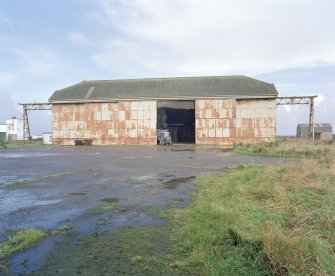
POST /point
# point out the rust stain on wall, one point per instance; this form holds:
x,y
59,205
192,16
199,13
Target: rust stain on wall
x,y
229,121
105,123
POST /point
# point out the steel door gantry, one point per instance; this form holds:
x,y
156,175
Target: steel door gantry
x,y
308,100
26,108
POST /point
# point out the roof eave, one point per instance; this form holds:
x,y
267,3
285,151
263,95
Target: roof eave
x,y
270,96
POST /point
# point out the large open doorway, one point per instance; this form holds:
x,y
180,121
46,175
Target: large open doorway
x,y
178,118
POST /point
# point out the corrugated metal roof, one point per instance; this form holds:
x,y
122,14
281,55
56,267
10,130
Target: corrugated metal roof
x,y
163,88
318,127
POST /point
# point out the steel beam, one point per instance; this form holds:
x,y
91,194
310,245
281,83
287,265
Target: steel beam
x,y
37,106
26,108
294,100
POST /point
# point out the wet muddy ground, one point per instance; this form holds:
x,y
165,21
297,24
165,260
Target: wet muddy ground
x,y
95,189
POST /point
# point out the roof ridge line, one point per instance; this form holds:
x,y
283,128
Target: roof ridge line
x,y
167,78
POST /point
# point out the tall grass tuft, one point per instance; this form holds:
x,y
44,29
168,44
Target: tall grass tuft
x,y
262,219
20,241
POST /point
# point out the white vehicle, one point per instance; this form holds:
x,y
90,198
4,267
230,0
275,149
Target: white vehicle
x,y
163,137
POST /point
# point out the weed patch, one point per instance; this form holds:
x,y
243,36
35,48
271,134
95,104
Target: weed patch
x,y
20,241
101,209
61,229
110,199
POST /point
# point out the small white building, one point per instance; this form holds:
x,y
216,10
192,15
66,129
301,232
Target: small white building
x,y
14,129
3,130
47,138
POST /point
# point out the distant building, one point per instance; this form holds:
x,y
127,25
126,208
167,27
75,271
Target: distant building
x,y
3,131
37,137
13,129
320,130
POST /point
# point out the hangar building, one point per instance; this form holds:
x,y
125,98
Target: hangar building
x,y
203,110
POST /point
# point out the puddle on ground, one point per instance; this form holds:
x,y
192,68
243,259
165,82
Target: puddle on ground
x,y
35,257
183,149
163,176
110,199
174,183
11,204
50,218
46,202
6,179
78,194
12,200
27,155
227,149
144,177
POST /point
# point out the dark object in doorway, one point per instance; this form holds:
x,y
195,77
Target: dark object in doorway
x,y
85,142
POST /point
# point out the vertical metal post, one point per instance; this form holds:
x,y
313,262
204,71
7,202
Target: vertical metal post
x,y
311,119
26,129
24,122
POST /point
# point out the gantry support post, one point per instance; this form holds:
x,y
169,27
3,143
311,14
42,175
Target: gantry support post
x,y
308,100
311,120
26,129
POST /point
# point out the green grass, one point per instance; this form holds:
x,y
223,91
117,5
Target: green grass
x,y
137,251
20,241
287,148
115,206
23,145
15,144
18,183
260,220
100,209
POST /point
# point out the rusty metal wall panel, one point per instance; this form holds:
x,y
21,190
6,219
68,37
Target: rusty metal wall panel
x,y
125,122
228,121
255,120
215,121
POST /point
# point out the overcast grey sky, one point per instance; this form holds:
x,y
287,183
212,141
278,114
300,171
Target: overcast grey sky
x,y
47,45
